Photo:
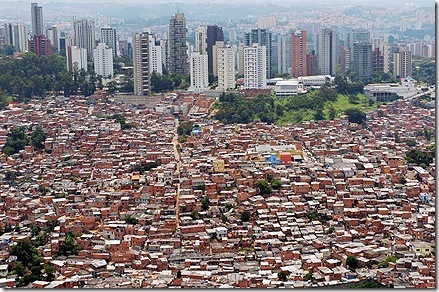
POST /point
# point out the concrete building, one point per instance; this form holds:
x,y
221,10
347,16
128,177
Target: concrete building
x,y
178,55
53,36
327,51
402,63
298,52
198,72
200,41
37,19
262,37
155,55
76,58
15,34
267,22
103,60
85,35
311,63
345,59
142,81
255,67
384,50
225,63
361,59
39,45
108,37
385,92
284,57
288,87
214,34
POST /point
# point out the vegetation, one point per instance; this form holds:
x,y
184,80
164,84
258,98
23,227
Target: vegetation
x,y
308,277
352,262
68,247
245,216
385,263
424,71
368,283
30,76
144,166
419,157
355,115
263,187
282,276
118,118
205,204
167,82
18,138
130,219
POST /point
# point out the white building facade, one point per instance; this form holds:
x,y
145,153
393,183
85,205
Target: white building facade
x,y
225,62
255,68
76,58
199,72
103,60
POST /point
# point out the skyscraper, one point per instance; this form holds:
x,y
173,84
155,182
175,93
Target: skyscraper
x,y
402,63
361,59
53,37
327,51
225,61
85,35
198,72
76,58
37,19
39,45
284,57
262,37
108,37
103,60
155,55
255,67
16,34
142,81
298,52
178,57
214,33
311,63
200,41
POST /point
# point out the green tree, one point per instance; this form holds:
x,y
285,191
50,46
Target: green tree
x,y
130,219
308,277
352,262
245,216
185,128
355,115
332,112
37,138
276,184
263,187
318,115
419,157
282,276
17,139
68,246
205,204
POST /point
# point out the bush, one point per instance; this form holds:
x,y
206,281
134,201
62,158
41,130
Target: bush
x,y
355,115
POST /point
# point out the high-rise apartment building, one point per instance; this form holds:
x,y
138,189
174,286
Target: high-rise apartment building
x,y
402,63
262,37
311,64
284,57
37,19
240,59
200,41
15,34
377,61
108,37
177,38
39,45
255,67
214,34
327,55
85,35
141,71
361,59
155,55
76,58
345,59
225,63
53,37
267,22
384,49
298,52
198,72
103,60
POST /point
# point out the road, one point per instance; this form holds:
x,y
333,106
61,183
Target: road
x,y
177,175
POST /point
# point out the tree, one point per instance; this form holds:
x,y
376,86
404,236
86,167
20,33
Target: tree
x,y
332,112
318,115
205,204
16,141
308,277
245,216
352,262
68,247
419,157
130,219
282,276
50,272
355,115
276,184
263,187
185,128
37,138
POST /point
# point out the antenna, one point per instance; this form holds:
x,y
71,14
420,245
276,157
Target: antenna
x,y
178,10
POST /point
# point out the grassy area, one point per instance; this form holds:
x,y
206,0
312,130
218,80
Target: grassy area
x,y
343,104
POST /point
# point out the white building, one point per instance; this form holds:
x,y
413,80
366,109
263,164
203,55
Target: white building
x,y
155,55
225,66
327,55
142,80
103,60
76,58
16,34
391,91
288,87
108,36
85,34
255,69
200,41
199,72
267,22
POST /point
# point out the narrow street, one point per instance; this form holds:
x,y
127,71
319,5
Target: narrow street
x,y
177,174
